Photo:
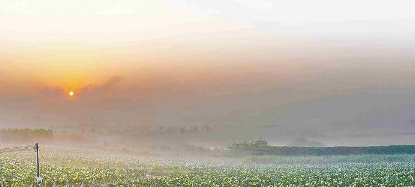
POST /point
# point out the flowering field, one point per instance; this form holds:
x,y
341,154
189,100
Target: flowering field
x,y
75,167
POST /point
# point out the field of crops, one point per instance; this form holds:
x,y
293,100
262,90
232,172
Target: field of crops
x,y
70,167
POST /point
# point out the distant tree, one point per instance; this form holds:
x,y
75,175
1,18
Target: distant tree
x,y
261,143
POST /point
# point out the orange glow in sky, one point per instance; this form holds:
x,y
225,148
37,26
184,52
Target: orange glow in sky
x,y
76,43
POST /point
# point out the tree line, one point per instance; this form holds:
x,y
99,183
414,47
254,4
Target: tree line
x,y
25,135
261,147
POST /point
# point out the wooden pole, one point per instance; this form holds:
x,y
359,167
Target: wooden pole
x,y
37,159
39,179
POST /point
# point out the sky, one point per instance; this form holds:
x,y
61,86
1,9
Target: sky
x,y
330,72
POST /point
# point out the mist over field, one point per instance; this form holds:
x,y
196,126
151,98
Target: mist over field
x,y
327,108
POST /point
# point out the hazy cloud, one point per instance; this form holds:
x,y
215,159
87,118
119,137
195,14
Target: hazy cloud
x,y
105,87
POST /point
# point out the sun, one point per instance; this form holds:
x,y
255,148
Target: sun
x,y
71,94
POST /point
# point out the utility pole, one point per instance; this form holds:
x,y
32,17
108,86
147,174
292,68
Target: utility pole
x,y
39,179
